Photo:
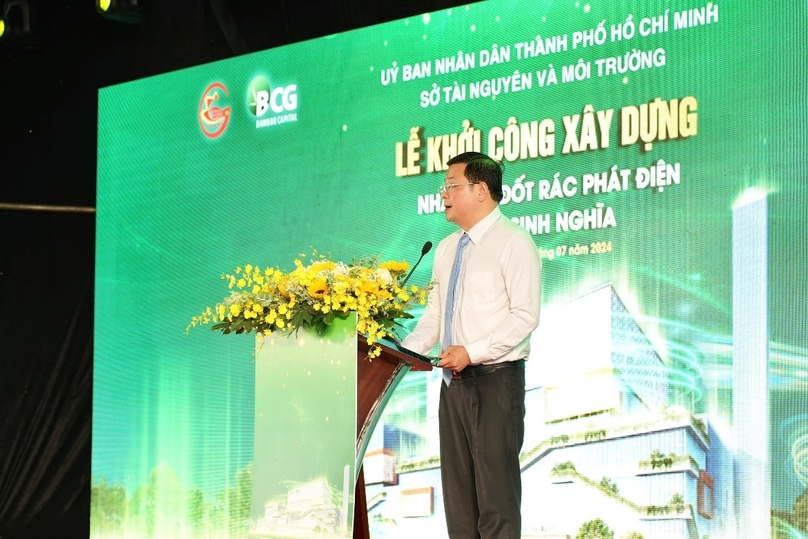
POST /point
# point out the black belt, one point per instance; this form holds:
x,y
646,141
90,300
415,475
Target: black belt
x,y
473,371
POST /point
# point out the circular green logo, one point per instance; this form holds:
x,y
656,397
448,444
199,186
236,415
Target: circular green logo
x,y
258,95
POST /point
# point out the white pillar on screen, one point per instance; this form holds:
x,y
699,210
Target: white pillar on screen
x,y
750,367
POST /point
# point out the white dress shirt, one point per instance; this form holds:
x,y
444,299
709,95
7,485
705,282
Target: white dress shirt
x,y
498,294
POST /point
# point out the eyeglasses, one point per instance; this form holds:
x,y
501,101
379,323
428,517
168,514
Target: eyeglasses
x,y
448,188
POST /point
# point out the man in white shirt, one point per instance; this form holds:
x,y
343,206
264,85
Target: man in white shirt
x,y
482,309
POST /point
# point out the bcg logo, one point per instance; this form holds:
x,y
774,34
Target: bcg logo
x,y
261,97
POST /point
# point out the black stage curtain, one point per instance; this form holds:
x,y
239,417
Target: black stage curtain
x,y
46,321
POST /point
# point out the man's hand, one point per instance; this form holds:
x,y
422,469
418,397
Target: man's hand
x,y
454,358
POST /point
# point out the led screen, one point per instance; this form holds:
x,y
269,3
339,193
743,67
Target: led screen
x,y
654,151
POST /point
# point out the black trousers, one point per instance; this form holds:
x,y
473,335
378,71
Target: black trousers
x,y
482,427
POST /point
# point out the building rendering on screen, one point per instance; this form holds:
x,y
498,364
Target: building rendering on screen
x,y
306,510
750,366
611,438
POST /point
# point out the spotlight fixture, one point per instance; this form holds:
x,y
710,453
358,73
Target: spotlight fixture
x,y
128,11
18,24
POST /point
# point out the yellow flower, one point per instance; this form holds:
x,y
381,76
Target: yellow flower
x,y
273,299
368,287
318,288
395,267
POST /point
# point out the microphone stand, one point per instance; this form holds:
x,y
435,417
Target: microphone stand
x,y
424,250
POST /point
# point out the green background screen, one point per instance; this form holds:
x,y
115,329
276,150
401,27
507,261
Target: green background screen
x,y
655,151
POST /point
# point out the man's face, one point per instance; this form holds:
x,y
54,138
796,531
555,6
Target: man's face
x,y
459,201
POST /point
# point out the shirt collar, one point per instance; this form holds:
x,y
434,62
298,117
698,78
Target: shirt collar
x,y
477,232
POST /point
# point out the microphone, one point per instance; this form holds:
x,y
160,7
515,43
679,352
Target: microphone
x,y
424,250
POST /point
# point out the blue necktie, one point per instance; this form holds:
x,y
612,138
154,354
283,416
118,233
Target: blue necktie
x,y
450,301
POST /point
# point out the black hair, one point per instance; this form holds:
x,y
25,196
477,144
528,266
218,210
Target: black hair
x,y
482,169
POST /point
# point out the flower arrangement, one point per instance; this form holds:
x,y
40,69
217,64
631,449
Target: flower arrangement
x,y
313,295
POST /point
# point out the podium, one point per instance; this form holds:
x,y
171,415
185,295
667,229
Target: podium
x,y
376,380
317,399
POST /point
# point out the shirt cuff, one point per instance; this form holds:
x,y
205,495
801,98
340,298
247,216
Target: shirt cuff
x,y
476,351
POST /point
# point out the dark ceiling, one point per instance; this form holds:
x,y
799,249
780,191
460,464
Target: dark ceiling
x,y
48,148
